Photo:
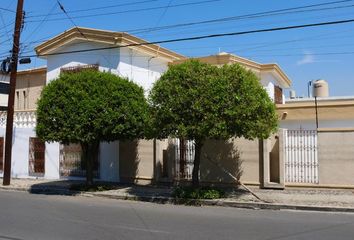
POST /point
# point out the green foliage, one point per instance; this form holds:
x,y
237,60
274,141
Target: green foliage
x,y
197,193
91,106
196,100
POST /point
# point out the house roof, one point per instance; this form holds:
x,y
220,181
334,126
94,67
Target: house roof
x,y
226,58
107,37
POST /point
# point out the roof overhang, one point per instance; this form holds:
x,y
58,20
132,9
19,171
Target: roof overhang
x,y
225,58
32,71
119,39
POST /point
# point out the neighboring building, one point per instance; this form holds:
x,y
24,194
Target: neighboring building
x,y
28,151
271,75
29,85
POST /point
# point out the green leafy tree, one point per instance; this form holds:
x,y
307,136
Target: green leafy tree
x,y
198,101
89,107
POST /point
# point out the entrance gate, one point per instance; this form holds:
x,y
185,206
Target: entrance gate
x,y
301,161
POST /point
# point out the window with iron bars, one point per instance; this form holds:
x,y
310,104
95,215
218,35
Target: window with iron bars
x,y
36,157
79,68
278,95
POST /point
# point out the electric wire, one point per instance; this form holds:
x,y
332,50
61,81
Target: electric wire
x,y
141,30
132,10
71,20
99,8
206,37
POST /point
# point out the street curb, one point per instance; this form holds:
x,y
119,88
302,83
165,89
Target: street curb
x,y
191,202
220,203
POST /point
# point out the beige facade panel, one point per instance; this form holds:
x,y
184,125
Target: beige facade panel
x,y
336,158
240,157
136,160
330,111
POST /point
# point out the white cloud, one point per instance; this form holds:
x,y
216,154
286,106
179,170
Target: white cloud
x,y
307,59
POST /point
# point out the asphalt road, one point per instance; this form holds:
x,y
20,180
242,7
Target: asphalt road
x,y
28,216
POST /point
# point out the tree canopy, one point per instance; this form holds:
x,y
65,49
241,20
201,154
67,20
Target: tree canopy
x,y
198,101
88,107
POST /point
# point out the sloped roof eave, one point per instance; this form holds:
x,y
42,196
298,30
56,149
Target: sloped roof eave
x,y
108,37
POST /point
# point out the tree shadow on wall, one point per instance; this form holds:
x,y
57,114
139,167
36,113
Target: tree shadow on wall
x,y
129,161
220,158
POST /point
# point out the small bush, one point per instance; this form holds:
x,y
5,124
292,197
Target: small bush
x,y
197,193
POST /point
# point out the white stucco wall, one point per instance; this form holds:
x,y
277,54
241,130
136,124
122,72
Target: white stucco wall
x,y
141,68
107,59
20,154
52,161
109,161
268,82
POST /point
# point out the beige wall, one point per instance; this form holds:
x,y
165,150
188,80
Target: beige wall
x,y
136,160
238,156
29,85
336,158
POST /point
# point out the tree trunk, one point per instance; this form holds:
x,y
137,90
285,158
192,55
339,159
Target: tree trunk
x,y
89,151
197,154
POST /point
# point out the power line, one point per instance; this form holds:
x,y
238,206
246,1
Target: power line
x,y
247,16
260,14
7,10
205,37
41,23
163,13
99,8
133,10
262,44
314,54
5,27
298,48
241,17
72,21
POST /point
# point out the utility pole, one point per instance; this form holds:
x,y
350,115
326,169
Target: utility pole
x,y
11,101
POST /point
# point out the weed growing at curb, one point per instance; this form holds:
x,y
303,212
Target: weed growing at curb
x,y
197,193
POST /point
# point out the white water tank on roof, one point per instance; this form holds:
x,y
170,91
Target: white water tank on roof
x,y
320,88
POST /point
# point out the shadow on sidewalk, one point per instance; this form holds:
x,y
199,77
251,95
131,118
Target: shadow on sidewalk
x,y
77,187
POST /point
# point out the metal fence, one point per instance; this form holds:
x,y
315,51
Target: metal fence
x,y
301,161
184,158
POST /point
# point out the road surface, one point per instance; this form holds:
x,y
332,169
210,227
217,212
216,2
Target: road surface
x,y
25,216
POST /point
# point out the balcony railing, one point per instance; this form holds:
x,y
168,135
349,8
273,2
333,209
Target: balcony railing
x,y
22,119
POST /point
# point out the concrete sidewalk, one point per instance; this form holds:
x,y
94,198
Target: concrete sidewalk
x,y
292,198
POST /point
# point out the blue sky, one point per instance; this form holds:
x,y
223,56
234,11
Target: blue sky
x,y
304,54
